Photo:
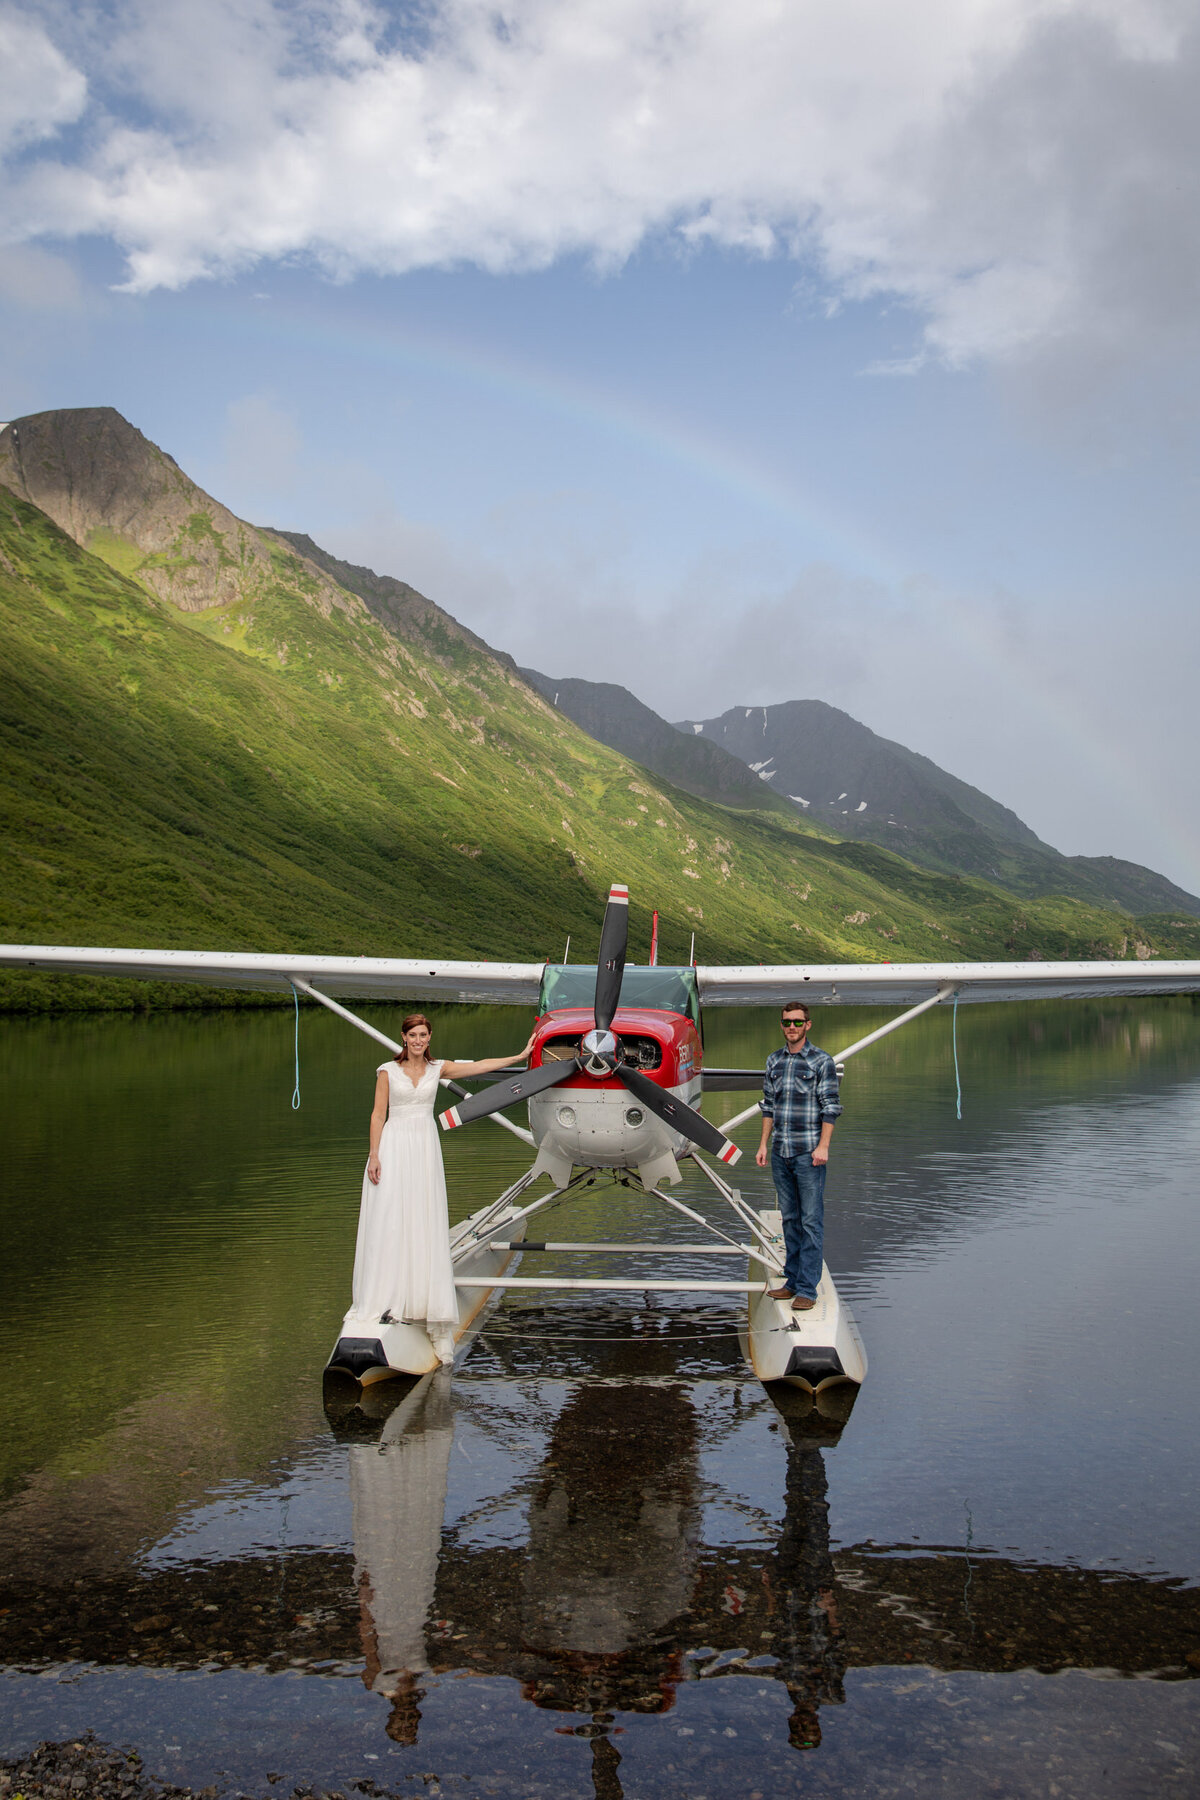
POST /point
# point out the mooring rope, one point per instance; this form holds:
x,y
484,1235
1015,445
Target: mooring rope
x,y
296,1047
957,1081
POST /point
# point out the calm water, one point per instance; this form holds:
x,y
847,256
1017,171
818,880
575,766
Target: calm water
x,y
599,1560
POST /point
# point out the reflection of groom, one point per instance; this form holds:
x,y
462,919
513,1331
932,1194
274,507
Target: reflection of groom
x,y
800,1104
799,1579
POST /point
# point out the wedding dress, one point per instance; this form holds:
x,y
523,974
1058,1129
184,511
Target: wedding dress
x,y
402,1263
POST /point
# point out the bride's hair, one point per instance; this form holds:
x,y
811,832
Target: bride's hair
x,y
413,1019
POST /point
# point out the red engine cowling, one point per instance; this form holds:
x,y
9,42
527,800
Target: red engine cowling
x,y
665,1046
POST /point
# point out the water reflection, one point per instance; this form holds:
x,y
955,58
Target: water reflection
x,y
398,1495
614,1528
589,1568
614,1599
800,1581
618,1542
613,1532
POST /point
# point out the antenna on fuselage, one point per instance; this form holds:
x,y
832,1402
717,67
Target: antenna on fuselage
x,y
654,942
692,953
567,950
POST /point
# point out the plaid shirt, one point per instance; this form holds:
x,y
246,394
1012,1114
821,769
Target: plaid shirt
x,y
800,1092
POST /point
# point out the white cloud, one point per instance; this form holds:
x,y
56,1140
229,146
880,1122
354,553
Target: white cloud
x,y
1018,171
39,90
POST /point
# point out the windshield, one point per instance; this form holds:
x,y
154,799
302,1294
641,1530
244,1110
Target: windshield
x,y
669,990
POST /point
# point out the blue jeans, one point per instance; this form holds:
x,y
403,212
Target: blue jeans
x,y
800,1185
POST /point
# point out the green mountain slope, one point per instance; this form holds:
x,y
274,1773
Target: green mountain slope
x,y
119,495
282,771
408,614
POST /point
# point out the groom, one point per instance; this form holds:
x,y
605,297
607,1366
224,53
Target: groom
x,y
799,1104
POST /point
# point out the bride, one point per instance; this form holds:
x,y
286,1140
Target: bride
x,y
402,1267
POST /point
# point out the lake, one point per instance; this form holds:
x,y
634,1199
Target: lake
x,y
599,1559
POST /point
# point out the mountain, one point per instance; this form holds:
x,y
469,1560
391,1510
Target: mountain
x,y
206,740
863,786
840,772
814,760
404,611
120,496
615,717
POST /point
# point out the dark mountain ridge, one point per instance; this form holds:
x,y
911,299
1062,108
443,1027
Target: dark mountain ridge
x,y
814,760
839,772
615,717
845,776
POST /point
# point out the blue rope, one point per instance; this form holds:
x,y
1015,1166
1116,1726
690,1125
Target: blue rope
x,y
957,1081
296,1089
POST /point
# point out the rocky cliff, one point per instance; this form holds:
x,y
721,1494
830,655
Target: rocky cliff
x,y
129,503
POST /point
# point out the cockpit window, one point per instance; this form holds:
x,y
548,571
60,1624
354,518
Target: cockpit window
x,y
666,989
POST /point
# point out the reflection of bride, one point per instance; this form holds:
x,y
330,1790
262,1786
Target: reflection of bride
x,y
398,1491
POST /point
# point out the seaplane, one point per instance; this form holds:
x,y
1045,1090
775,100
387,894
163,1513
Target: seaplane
x,y
612,1091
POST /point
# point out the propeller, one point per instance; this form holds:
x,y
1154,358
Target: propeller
x,y
504,1093
614,936
673,1112
598,1048
600,1054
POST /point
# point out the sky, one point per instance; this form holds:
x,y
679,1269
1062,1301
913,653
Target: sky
x,y
737,351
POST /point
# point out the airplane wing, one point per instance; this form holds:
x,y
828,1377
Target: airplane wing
x,y
359,977
906,984
518,984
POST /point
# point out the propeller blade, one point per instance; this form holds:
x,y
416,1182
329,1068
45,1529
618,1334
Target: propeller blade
x,y
504,1093
614,935
674,1113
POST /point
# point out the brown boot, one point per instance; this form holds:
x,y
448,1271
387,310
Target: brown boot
x,y
802,1303
779,1293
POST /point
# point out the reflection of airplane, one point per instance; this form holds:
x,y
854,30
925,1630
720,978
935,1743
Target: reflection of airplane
x,y
614,1527
606,1608
761,1599
614,1078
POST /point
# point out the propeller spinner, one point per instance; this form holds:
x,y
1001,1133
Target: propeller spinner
x,y
599,1054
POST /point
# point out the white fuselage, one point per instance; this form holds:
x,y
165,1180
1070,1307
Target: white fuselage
x,y
604,1128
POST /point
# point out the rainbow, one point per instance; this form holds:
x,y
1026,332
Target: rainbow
x,y
834,538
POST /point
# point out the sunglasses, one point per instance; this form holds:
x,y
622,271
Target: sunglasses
x,y
795,1024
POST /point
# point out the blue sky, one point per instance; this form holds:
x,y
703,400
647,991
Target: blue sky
x,y
736,354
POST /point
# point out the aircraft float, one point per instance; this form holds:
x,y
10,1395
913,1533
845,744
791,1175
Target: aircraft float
x,y
612,1089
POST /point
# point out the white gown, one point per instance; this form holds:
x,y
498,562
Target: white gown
x,y
402,1257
